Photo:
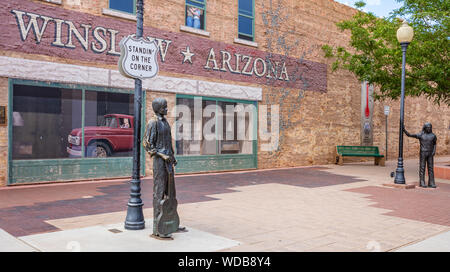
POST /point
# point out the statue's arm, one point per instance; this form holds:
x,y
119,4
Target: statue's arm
x,y
411,135
150,138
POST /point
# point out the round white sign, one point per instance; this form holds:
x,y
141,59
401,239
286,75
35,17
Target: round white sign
x,y
138,57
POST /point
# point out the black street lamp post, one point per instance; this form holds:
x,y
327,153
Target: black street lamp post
x,y
135,215
404,35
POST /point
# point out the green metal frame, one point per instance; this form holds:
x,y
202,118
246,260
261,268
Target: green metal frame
x,y
75,168
134,7
250,17
204,10
219,162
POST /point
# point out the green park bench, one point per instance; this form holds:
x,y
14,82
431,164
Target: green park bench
x,y
358,151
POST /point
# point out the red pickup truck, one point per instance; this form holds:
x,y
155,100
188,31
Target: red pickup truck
x,y
114,135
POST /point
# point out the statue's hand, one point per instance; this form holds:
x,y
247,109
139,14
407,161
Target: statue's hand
x,y
164,157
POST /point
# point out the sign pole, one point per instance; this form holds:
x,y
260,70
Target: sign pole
x,y
135,215
386,113
386,156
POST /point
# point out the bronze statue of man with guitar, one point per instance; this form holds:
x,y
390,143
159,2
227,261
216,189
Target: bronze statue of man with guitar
x,y
158,143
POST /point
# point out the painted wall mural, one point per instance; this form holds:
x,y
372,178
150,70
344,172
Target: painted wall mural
x,y
274,16
35,28
367,103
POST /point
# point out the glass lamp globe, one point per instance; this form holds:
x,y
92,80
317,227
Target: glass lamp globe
x,y
405,33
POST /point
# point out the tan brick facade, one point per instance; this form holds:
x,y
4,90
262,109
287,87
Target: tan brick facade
x,y
312,123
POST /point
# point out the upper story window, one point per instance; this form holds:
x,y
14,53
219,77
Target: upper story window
x,y
246,22
128,6
195,13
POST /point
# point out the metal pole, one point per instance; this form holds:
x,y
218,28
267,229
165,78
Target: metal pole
x,y
135,216
386,138
400,172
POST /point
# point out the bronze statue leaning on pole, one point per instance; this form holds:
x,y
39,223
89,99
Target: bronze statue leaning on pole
x,y
157,142
427,151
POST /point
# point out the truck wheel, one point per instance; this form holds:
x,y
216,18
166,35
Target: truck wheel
x,y
98,150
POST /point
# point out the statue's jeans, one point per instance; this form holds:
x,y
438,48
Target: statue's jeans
x,y
426,159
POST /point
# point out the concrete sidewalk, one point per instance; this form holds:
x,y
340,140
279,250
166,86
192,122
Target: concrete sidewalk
x,y
438,243
322,208
9,243
115,238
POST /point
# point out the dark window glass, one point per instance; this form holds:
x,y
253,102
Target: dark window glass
x,y
246,7
198,3
246,25
246,20
122,5
43,118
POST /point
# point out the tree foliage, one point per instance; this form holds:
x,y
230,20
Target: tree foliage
x,y
375,55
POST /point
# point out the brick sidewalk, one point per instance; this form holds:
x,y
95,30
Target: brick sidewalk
x,y
332,208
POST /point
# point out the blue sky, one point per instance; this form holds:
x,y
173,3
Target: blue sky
x,y
380,8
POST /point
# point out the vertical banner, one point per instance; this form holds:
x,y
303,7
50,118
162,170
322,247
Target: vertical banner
x,y
366,114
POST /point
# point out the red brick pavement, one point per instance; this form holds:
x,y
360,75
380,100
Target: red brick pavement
x,y
421,204
24,210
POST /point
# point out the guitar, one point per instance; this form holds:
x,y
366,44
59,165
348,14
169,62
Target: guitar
x,y
168,220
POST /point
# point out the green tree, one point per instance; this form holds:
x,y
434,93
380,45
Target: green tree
x,y
375,55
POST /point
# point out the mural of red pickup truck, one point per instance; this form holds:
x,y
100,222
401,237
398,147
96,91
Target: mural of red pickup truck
x,y
112,138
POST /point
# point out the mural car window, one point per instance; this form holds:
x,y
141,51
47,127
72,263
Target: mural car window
x,y
195,13
105,132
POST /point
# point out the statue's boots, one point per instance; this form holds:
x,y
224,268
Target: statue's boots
x,y
422,172
431,184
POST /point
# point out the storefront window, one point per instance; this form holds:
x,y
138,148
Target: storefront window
x,y
213,127
42,120
237,128
48,123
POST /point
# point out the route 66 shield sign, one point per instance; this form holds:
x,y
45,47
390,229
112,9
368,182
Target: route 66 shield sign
x,y
138,58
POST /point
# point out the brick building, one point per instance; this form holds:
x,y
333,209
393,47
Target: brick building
x,y
59,84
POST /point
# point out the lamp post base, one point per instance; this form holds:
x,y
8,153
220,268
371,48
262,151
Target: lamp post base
x,y
135,217
400,176
400,186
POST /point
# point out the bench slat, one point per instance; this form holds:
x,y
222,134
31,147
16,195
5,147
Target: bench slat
x,y
358,151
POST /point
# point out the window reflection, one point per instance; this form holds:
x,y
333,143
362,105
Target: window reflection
x,y
42,119
221,127
47,123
